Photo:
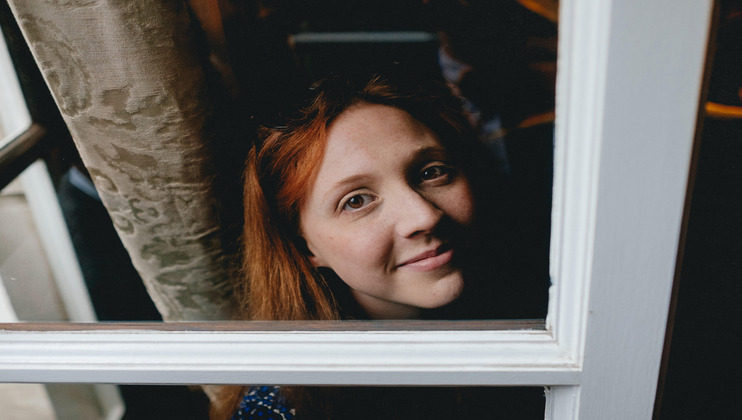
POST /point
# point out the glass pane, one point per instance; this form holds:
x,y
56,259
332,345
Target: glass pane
x,y
41,259
78,401
499,57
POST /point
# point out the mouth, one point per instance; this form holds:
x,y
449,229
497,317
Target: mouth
x,y
429,260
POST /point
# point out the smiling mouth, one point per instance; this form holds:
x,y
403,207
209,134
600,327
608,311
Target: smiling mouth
x,y
430,260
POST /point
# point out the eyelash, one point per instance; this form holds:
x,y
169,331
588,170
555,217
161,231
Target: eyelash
x,y
443,171
347,206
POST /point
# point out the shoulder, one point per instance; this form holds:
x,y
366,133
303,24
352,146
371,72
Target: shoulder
x,y
263,402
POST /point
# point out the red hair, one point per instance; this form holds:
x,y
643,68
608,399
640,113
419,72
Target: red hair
x,y
281,283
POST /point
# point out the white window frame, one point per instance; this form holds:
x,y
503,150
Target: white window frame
x,y
14,120
628,92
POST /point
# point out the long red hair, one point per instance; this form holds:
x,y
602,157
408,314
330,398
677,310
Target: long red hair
x,y
280,282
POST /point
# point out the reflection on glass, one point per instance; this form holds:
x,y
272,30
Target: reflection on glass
x,y
41,278
35,286
28,285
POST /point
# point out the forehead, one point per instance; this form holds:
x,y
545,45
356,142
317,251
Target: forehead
x,y
366,143
373,130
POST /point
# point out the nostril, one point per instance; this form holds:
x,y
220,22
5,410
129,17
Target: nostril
x,y
422,217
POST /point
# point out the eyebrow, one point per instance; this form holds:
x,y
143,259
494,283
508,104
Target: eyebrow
x,y
351,180
437,150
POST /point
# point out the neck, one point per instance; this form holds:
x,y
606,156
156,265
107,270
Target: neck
x,y
377,308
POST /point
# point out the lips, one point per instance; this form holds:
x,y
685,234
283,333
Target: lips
x,y
429,260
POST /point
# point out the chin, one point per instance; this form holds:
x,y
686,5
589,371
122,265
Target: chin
x,y
446,291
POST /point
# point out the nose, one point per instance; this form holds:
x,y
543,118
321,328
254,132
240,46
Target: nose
x,y
415,214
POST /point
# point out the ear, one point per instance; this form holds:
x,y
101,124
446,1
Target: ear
x,y
316,262
313,258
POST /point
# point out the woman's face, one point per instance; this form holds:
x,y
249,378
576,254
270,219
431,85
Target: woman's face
x,y
388,212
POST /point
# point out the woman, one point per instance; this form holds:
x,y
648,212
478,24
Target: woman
x,y
365,203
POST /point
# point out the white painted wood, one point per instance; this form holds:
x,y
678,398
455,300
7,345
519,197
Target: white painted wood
x,y
7,314
14,116
50,224
55,238
312,357
639,108
562,402
580,96
110,400
582,65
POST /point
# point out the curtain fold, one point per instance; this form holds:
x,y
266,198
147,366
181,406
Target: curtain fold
x,y
132,90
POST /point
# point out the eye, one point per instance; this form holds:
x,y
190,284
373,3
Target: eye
x,y
357,202
434,172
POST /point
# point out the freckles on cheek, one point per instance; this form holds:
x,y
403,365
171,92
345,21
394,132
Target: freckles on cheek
x,y
335,242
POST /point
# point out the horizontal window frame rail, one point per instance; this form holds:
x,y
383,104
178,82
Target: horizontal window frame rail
x,y
486,353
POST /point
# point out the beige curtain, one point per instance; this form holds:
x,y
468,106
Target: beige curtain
x,y
132,90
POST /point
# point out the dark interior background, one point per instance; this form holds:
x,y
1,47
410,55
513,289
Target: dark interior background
x,y
702,368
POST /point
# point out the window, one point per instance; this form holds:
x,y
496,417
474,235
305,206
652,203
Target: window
x,y
628,91
31,224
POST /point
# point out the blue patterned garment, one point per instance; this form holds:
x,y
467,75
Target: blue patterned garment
x,y
263,402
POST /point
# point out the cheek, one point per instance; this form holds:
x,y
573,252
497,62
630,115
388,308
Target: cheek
x,y
460,204
357,250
